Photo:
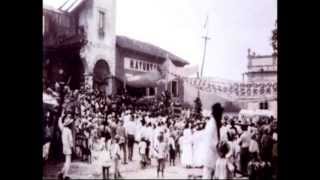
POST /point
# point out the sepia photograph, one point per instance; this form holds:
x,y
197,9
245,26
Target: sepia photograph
x,y
160,89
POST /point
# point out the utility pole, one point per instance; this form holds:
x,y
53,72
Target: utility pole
x,y
206,38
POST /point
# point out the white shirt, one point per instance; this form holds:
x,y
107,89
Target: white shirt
x,y
142,147
141,132
149,133
245,139
161,150
114,151
67,141
253,147
172,143
131,127
211,140
223,133
275,136
126,119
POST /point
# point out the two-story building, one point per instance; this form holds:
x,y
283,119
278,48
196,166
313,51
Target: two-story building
x,y
80,45
262,68
79,39
135,58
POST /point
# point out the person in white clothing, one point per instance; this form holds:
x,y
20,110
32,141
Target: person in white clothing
x,y
115,156
131,131
223,132
244,142
148,139
172,150
67,143
211,140
142,152
198,146
234,149
161,152
186,156
224,169
254,147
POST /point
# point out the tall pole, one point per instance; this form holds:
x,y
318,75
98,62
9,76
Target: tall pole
x,y
206,38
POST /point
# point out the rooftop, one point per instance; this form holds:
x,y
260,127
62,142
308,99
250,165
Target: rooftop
x,y
147,48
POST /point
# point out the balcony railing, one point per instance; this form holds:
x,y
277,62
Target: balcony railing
x,y
264,68
63,34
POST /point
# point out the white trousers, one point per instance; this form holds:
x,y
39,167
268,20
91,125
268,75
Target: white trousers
x,y
66,165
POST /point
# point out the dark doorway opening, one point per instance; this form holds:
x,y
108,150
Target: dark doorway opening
x,y
101,75
63,66
136,92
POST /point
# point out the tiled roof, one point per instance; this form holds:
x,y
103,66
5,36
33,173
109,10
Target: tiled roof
x,y
146,48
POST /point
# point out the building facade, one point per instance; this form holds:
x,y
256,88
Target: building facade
x,y
262,68
80,44
136,58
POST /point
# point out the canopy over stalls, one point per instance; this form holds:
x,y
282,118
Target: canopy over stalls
x,y
149,79
255,113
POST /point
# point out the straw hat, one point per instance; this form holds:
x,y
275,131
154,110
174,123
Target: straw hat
x,y
67,122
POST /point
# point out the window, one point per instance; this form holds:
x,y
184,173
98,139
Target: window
x,y
131,64
144,66
101,23
151,91
264,105
261,105
174,88
147,67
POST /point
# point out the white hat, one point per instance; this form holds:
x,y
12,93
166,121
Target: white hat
x,y
67,122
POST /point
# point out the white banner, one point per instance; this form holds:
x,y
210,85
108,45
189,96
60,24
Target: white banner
x,y
235,90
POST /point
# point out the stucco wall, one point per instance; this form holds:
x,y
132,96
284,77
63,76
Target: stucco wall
x,y
265,76
121,53
99,48
273,106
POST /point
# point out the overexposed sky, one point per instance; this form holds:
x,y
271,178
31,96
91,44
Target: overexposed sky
x,y
177,26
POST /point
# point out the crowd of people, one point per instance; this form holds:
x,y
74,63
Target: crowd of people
x,y
240,146
103,130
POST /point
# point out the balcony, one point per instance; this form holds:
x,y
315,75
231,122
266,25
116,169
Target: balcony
x,y
64,36
264,68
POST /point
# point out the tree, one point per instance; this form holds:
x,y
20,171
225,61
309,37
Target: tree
x,y
198,107
274,40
